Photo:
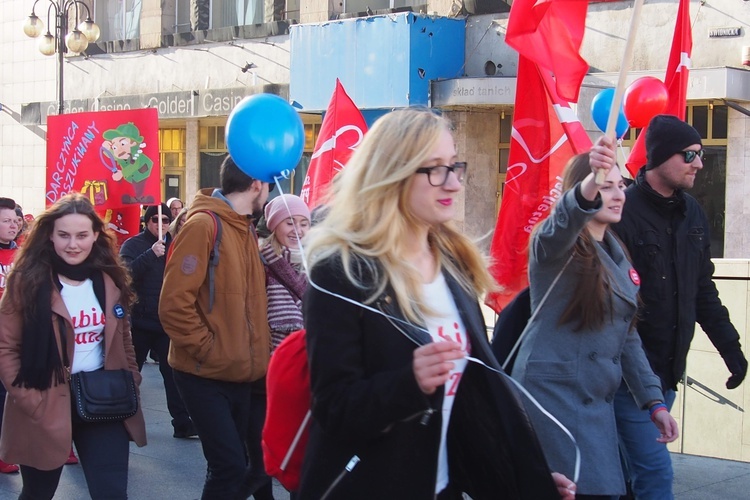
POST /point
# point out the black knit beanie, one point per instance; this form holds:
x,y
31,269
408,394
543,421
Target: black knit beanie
x,y
154,209
667,135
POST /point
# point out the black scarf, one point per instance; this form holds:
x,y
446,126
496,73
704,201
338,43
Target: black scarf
x,y
41,365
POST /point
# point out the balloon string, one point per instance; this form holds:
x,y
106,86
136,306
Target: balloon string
x,y
531,398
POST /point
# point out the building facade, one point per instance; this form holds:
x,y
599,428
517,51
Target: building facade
x,y
194,60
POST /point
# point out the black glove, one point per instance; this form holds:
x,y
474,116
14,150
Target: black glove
x,y
737,365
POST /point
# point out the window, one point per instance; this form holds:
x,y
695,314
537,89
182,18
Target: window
x,y
172,145
212,149
118,19
236,12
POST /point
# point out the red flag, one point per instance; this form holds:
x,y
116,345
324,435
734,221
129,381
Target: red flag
x,y
550,33
110,156
675,79
341,132
546,133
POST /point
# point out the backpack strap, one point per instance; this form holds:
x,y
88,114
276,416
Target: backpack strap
x,y
213,257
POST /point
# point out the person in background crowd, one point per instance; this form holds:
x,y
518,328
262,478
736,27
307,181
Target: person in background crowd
x,y
145,256
667,234
175,207
67,293
288,219
394,398
220,341
9,230
23,226
583,343
178,222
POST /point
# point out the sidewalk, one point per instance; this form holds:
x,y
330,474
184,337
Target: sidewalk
x,y
175,468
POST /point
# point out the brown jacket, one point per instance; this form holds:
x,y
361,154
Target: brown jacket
x,y
231,342
37,427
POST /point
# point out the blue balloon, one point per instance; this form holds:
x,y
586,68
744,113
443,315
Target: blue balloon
x,y
265,136
600,107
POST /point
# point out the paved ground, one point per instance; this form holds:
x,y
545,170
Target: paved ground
x,y
170,468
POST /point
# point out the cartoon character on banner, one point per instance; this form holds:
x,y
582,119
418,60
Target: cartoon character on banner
x,y
122,154
115,222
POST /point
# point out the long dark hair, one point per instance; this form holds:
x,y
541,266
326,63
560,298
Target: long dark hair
x,y
593,300
33,262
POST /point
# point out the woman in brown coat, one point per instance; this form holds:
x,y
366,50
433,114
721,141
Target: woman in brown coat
x,y
65,311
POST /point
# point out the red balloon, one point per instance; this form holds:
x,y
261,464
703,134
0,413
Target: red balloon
x,y
645,98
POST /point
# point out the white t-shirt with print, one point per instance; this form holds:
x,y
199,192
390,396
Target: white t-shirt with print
x,y
88,324
447,326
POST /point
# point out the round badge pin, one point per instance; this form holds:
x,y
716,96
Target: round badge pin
x,y
119,311
634,276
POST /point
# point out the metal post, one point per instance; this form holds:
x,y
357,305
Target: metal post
x,y
61,31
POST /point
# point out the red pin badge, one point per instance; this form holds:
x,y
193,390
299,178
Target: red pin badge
x,y
634,276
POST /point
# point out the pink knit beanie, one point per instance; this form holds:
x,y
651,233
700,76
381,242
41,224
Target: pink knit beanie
x,y
276,210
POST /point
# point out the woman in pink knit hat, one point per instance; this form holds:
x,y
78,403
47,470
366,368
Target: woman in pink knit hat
x,y
287,219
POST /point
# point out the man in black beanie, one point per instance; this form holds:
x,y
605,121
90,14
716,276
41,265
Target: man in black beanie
x,y
145,256
667,234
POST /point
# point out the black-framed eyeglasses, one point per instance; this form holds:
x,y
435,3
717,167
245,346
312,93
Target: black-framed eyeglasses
x,y
164,220
689,156
438,175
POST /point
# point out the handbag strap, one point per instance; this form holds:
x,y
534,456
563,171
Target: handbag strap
x,y
536,312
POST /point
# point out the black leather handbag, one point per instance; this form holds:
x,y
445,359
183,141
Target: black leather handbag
x,y
104,395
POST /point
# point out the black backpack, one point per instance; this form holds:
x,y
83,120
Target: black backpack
x,y
509,326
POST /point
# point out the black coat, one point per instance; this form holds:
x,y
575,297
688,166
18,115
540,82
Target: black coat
x,y
668,240
147,272
366,403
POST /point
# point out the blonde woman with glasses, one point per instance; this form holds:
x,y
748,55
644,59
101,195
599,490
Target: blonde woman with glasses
x,y
399,410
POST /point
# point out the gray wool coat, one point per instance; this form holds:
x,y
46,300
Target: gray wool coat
x,y
574,374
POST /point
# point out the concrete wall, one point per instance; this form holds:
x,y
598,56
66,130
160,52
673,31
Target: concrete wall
x,y
712,418
607,27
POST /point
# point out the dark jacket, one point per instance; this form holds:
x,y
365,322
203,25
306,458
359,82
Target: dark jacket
x,y
147,271
366,403
668,240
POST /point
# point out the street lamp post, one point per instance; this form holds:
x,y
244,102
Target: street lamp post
x,y
75,41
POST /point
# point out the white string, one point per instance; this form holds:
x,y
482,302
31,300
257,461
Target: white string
x,y
531,398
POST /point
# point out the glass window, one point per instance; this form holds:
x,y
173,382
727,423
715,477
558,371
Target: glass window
x,y
118,19
710,191
700,120
719,121
236,12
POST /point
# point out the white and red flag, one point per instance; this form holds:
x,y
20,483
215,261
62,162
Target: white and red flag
x,y
550,33
675,79
546,134
341,132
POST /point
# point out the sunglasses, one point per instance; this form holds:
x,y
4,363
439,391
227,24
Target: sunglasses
x,y
689,156
164,220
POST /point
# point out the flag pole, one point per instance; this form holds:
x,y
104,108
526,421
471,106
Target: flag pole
x,y
627,58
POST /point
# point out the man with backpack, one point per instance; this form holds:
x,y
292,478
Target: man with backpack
x,y
213,307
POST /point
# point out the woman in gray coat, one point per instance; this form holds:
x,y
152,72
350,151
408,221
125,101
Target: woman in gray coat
x,y
583,343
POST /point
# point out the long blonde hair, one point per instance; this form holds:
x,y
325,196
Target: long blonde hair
x,y
369,218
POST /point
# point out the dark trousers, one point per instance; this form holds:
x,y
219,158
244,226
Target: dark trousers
x,y
257,482
158,341
220,412
103,451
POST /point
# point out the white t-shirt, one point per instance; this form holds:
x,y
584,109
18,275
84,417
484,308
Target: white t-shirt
x,y
88,324
447,326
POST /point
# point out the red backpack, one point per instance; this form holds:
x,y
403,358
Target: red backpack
x,y
285,432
